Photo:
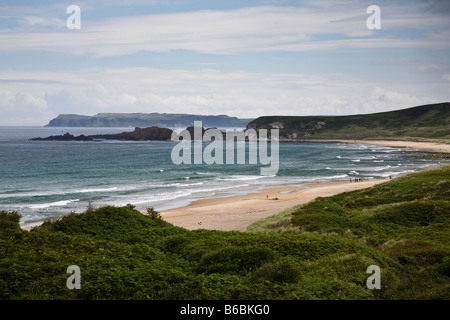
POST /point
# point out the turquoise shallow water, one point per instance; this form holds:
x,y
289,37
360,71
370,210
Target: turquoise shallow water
x,y
47,179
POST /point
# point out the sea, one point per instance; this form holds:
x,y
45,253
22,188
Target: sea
x,y
48,179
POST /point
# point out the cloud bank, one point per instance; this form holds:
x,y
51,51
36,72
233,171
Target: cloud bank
x,y
300,58
242,94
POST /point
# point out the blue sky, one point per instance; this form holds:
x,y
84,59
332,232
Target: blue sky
x,y
241,58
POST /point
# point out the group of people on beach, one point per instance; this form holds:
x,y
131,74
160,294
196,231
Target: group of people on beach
x,y
356,180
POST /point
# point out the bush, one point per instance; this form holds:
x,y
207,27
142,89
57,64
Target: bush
x,y
416,252
444,267
278,271
176,243
9,224
153,214
234,259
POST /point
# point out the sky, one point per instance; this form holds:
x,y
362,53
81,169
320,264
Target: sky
x,y
240,58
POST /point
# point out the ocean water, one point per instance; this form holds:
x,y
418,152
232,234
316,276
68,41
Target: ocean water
x,y
49,179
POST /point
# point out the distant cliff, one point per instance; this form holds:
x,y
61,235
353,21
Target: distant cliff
x,y
145,120
430,122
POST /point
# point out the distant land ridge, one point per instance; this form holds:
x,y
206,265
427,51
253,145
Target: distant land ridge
x,y
427,122
145,120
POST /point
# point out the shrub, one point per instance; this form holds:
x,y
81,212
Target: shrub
x,y
444,267
278,271
9,224
153,214
176,243
234,259
416,252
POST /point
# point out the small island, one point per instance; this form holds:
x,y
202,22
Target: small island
x,y
65,137
139,134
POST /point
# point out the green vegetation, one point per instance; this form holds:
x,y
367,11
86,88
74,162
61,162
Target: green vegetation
x,y
317,251
407,219
145,120
422,123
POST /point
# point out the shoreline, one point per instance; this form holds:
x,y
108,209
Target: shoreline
x,y
426,146
238,212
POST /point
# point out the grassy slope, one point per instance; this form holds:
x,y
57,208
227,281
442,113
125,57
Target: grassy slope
x,y
427,123
408,219
401,226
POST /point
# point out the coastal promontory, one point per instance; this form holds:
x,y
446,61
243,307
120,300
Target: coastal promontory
x,y
168,120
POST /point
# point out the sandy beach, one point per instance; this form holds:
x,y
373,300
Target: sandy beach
x,y
238,212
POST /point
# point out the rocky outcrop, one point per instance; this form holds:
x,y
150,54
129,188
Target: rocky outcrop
x,y
277,125
64,137
139,134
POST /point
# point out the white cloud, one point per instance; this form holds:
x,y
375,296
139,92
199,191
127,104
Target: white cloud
x,y
33,21
315,26
24,100
253,29
394,98
242,94
22,107
422,66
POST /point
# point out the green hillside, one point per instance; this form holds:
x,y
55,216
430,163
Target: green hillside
x,y
402,226
428,122
407,218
